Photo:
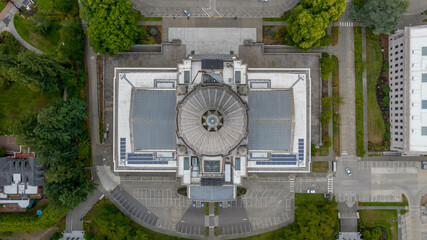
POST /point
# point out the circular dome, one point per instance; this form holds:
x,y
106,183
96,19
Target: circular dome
x,y
212,120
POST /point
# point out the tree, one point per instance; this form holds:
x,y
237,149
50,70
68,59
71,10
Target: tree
x,y
53,131
327,66
67,185
45,72
381,15
110,222
71,36
374,234
309,20
111,25
40,24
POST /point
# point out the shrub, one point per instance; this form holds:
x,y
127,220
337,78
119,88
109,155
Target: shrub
x,y
386,89
314,150
89,236
56,236
386,66
271,32
325,117
286,15
386,101
153,31
326,103
387,125
361,150
387,135
2,152
327,141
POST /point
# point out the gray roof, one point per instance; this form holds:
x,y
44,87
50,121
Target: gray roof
x,y
270,120
212,64
190,114
211,193
30,171
153,118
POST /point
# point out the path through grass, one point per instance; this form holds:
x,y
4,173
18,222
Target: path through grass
x,y
47,43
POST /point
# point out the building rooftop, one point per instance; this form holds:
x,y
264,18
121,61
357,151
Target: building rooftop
x,y
270,120
30,171
416,63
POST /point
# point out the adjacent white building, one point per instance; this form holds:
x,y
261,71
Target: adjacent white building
x,y
408,96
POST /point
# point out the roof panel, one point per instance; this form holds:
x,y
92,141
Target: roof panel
x,y
154,119
270,120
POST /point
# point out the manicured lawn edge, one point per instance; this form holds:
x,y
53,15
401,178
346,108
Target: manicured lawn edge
x,y
359,67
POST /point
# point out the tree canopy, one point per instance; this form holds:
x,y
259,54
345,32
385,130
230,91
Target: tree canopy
x,y
327,66
44,72
380,15
53,134
308,22
111,25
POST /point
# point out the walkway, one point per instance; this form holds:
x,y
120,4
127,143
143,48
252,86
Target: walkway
x,y
345,53
6,24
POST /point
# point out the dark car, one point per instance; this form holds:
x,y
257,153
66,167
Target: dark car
x,y
423,165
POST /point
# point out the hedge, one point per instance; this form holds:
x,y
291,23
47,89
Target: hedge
x,y
31,223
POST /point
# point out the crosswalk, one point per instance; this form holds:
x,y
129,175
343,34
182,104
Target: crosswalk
x,y
292,185
343,24
330,184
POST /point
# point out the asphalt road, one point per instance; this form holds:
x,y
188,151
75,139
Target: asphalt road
x,y
214,8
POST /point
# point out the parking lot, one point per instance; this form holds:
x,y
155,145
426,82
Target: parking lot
x,y
214,8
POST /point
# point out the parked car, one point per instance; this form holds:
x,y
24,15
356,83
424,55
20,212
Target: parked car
x,y
348,171
188,14
423,165
311,190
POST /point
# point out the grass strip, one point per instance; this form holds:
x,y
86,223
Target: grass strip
x,y
359,68
376,126
336,105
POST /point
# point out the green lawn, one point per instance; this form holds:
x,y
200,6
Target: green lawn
x,y
317,199
384,218
140,17
2,5
320,166
336,116
398,204
17,100
47,43
376,127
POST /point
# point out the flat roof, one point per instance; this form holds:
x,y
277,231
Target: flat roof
x,y
153,119
270,120
417,64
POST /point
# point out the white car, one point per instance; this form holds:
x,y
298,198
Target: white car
x,y
311,190
188,14
348,171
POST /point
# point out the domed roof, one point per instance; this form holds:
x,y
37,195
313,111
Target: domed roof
x,y
212,120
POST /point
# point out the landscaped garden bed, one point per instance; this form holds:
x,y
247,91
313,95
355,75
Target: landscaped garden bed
x,y
336,108
150,34
320,166
380,222
378,92
335,33
274,35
